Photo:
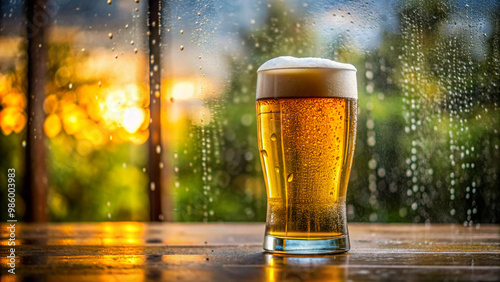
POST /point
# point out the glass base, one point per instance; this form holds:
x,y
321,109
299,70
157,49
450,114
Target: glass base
x,y
278,245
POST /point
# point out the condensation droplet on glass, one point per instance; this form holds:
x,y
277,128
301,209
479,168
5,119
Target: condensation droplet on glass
x,y
126,26
182,47
137,1
179,18
109,215
132,42
161,165
23,143
182,31
152,186
110,35
143,169
264,153
108,203
277,169
109,2
273,137
290,177
135,50
70,85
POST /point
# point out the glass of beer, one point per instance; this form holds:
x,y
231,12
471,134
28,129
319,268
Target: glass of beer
x,y
306,119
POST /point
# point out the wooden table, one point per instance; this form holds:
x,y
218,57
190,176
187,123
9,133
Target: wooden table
x,y
132,251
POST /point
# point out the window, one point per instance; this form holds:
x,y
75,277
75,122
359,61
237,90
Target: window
x,y
428,141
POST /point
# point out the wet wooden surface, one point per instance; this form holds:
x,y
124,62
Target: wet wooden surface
x,y
132,251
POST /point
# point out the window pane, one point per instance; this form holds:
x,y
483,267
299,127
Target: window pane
x,y
427,148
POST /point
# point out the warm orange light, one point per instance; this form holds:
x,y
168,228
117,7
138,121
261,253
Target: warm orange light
x,y
183,90
73,118
14,100
52,125
50,104
12,119
133,119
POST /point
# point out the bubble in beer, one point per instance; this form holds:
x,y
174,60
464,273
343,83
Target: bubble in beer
x,y
290,177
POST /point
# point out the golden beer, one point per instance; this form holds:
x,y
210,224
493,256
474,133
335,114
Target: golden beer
x,y
306,119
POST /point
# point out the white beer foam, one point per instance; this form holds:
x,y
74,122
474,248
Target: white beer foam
x,y
289,62
290,77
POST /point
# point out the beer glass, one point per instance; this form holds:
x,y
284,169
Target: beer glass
x,y
306,119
